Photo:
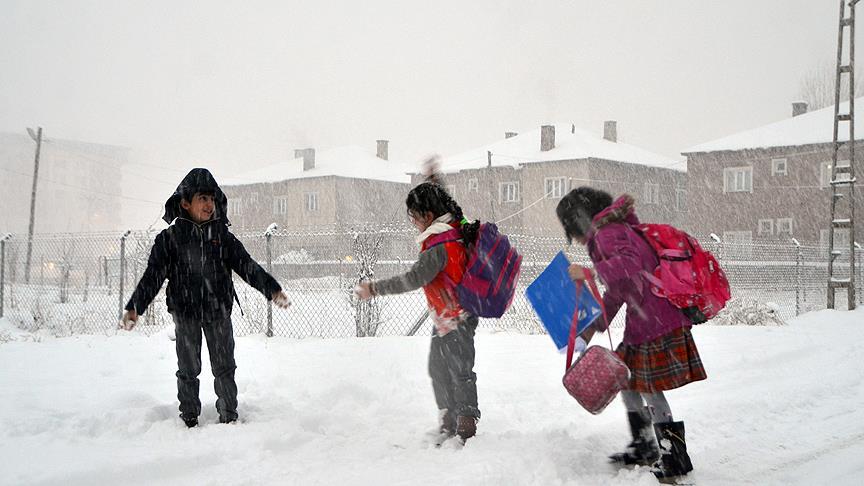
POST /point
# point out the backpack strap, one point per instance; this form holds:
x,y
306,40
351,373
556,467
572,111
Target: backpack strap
x,y
445,237
652,279
678,255
571,341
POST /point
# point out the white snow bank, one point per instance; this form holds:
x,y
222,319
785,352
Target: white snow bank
x,y
782,405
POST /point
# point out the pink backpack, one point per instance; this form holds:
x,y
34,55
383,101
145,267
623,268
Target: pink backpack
x,y
599,373
687,276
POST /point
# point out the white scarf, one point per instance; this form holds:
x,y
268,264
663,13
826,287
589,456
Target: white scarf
x,y
438,226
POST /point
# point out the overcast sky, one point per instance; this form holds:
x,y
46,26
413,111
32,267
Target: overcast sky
x,y
238,85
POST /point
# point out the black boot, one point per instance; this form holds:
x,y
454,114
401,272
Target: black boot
x,y
446,427
447,423
190,421
674,461
643,449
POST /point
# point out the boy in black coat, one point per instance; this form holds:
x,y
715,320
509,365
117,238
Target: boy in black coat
x,y
197,253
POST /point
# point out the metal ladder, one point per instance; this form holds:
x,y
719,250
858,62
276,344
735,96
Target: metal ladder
x,y
843,176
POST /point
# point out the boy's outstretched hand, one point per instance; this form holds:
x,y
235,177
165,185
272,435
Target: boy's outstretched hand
x,y
281,300
129,319
363,291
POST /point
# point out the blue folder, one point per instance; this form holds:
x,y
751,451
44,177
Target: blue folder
x,y
553,296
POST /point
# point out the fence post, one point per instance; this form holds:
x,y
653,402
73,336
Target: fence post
x,y
3,270
122,273
857,280
268,235
719,248
797,277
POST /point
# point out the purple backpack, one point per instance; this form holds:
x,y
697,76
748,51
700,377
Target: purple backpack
x,y
489,282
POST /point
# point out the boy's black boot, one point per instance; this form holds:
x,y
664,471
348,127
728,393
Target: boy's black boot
x,y
642,450
446,423
190,421
228,418
446,427
466,427
674,460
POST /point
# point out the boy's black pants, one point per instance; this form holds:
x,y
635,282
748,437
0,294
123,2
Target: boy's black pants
x,y
220,343
451,366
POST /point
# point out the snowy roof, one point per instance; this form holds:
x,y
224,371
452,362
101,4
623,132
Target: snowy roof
x,y
809,128
349,161
570,144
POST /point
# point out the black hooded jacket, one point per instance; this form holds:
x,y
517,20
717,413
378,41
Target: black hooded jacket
x,y
197,259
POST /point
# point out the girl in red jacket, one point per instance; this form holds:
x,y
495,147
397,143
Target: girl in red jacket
x,y
438,269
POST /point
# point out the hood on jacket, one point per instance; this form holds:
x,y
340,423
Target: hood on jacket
x,y
197,180
620,211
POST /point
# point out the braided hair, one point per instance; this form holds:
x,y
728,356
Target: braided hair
x,y
432,197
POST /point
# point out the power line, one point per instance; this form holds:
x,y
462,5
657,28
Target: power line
x,y
82,189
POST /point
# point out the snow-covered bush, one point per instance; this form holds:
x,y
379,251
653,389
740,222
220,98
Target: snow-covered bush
x,y
748,312
294,256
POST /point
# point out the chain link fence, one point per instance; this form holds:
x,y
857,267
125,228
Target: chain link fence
x,y
79,283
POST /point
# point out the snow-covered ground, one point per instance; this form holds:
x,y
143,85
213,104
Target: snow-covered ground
x,y
782,405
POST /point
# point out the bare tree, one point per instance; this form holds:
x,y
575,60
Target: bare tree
x,y
66,270
367,314
817,86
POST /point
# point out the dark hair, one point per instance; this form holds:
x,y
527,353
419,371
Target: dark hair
x,y
432,197
577,209
188,195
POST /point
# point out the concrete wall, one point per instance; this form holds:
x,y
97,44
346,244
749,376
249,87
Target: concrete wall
x,y
615,177
799,195
79,187
340,202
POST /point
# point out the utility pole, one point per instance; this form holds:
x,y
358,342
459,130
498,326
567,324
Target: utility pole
x,y
843,176
491,185
37,137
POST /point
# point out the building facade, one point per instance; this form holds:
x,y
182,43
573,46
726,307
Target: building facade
x,y
771,183
339,188
77,186
520,179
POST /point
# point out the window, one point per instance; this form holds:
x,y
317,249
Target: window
x,y
311,199
680,200
652,193
738,236
765,227
253,198
825,172
508,192
779,167
738,179
280,205
473,186
841,238
825,175
784,226
555,187
235,206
